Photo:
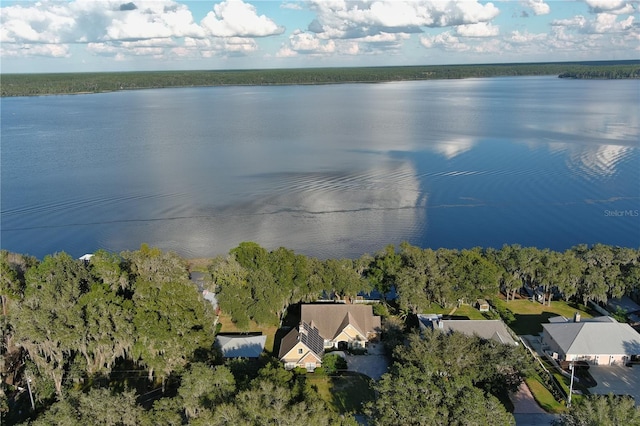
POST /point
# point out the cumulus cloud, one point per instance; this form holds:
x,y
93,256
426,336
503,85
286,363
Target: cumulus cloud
x,y
525,37
309,43
481,29
119,28
154,21
234,18
292,6
371,27
616,7
355,19
604,23
539,7
29,50
446,41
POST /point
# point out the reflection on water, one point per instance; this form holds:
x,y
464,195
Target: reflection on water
x,y
599,161
328,171
453,148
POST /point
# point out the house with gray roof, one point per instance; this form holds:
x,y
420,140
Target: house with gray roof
x,y
342,325
240,345
495,330
599,341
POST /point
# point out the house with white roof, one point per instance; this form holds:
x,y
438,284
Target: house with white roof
x,y
240,345
598,341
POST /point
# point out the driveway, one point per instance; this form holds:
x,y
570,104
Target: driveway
x,y
374,364
526,410
616,380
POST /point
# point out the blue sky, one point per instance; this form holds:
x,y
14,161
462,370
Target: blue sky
x,y
131,35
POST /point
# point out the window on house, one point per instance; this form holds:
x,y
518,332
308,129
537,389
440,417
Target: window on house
x,y
300,351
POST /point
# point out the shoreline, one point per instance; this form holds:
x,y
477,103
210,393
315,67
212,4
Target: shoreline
x,y
28,85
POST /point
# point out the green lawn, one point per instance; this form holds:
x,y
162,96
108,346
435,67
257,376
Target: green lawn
x,y
346,393
531,315
469,312
434,308
543,397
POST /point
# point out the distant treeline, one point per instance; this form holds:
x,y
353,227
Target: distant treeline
x,y
74,83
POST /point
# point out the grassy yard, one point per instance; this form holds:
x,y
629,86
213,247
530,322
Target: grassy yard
x,y
543,397
531,315
469,312
268,330
345,393
434,308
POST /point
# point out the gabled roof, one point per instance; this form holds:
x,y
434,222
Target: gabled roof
x,y
241,346
594,337
331,319
308,335
487,329
349,320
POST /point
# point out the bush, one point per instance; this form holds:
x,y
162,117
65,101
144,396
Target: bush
x,y
380,310
491,315
332,363
504,312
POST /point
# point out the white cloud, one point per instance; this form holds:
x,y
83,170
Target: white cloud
x,y
481,29
138,28
616,7
286,52
292,6
356,19
446,41
526,37
539,7
156,19
14,50
308,43
604,23
234,18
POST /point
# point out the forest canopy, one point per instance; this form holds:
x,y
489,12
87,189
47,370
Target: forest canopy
x,y
133,331
71,83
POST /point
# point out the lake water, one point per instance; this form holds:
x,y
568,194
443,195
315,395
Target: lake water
x,y
329,171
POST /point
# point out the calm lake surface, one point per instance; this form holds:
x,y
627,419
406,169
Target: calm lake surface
x,y
329,171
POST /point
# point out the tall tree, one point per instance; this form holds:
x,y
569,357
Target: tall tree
x,y
234,294
203,387
383,270
98,406
49,322
340,276
511,276
107,332
601,410
413,278
107,268
171,322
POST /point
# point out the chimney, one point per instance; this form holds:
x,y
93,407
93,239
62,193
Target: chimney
x,y
576,317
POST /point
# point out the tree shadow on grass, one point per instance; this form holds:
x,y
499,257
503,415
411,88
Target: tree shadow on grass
x,y
351,391
531,323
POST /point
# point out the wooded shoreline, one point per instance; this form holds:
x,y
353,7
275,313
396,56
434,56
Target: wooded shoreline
x,y
83,83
